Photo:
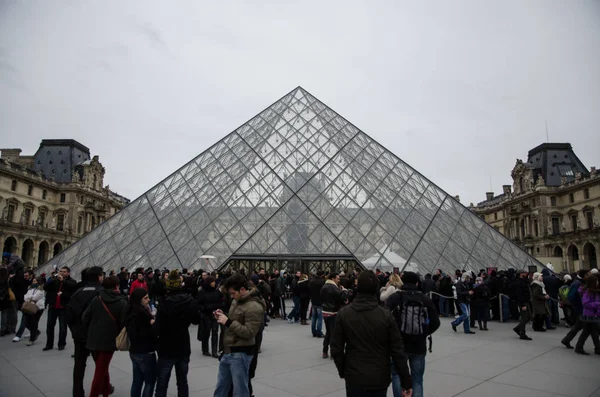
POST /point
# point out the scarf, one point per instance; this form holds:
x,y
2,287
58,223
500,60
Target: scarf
x,y
541,284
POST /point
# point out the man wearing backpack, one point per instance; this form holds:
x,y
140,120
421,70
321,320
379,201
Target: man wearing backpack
x,y
406,305
575,300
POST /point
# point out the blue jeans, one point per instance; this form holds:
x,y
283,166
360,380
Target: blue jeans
x,y
443,306
417,370
144,374
316,324
295,313
233,370
505,308
464,317
164,367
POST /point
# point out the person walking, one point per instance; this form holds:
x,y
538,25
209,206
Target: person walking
x,y
59,289
407,305
104,319
366,343
314,287
332,299
590,299
522,296
142,349
574,298
242,324
176,312
539,299
35,294
463,297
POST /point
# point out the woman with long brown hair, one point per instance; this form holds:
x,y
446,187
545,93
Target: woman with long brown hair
x,y
590,298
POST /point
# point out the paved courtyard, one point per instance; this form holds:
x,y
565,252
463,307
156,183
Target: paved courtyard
x,y
488,364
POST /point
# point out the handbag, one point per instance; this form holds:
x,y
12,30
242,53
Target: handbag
x,y
29,308
122,340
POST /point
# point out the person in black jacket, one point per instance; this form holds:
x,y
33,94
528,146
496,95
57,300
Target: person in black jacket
x,y
367,342
480,303
209,300
304,294
314,287
415,346
104,318
332,299
494,283
175,315
463,297
58,289
142,349
74,313
522,296
552,284
446,298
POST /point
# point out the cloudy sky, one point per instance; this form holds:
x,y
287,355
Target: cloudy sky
x,y
458,89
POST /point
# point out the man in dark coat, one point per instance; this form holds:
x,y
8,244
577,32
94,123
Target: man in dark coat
x,y
522,296
552,284
367,342
494,283
175,315
59,290
74,313
314,287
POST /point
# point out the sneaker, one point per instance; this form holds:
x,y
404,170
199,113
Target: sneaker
x,y
30,343
27,335
291,320
16,339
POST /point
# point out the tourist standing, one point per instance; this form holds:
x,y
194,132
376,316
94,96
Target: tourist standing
x,y
35,294
480,303
367,342
332,299
209,300
314,287
59,289
539,297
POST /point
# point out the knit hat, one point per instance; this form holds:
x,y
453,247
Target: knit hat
x,y
567,278
174,281
254,278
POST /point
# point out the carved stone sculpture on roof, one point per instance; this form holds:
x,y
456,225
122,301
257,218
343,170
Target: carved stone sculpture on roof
x,y
540,182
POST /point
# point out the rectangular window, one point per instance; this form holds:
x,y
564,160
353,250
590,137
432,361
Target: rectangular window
x,y
42,219
60,222
63,197
29,190
574,222
535,228
10,213
586,194
13,186
589,216
79,224
81,199
571,198
555,225
495,216
27,215
44,194
553,201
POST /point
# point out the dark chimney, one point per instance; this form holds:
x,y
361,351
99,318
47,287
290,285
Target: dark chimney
x,y
506,189
489,196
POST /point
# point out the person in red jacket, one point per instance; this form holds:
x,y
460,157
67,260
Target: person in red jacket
x,y
139,283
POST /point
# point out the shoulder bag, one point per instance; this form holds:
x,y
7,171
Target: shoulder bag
x,y
122,340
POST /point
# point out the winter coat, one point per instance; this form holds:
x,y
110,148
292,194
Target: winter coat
x,y
209,300
139,330
520,291
102,329
67,286
245,319
538,300
78,304
446,287
36,295
314,287
386,292
4,295
19,285
279,289
481,295
591,303
332,297
138,284
302,289
551,283
428,285
365,342
265,290
415,344
175,315
462,292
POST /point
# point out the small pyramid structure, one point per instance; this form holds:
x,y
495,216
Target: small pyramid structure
x,y
295,180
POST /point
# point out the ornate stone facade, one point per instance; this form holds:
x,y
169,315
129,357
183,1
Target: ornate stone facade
x,y
39,215
552,209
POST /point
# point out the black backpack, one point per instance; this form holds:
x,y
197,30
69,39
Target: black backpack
x,y
412,316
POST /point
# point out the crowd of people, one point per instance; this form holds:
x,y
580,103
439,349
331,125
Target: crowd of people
x,y
375,326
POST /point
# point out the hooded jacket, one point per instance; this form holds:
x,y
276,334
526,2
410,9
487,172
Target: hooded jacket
x,y
591,303
245,320
102,329
364,339
139,330
174,316
79,302
314,287
552,283
332,297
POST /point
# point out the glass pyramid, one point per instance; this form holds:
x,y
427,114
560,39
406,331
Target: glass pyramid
x,y
297,180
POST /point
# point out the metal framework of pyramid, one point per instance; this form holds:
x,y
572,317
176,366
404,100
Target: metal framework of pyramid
x,y
296,180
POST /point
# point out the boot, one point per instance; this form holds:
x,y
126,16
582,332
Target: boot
x,y
303,322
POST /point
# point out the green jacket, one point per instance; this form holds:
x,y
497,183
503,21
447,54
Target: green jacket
x,y
246,318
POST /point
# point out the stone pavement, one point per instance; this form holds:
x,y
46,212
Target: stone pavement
x,y
487,364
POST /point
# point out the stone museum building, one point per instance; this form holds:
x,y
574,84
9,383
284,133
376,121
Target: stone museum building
x,y
51,199
552,208
296,187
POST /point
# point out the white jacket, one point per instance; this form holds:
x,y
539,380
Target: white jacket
x,y
386,292
37,296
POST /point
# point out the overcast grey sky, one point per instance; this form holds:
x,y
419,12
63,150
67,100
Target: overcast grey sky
x,y
458,89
